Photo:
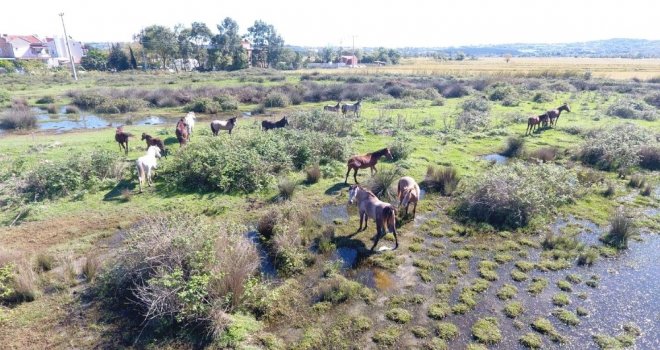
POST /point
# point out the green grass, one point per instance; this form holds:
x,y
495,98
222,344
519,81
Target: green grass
x,y
513,309
486,331
507,292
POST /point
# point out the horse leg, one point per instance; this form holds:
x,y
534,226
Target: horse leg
x,y
366,220
414,209
348,172
355,175
379,229
361,217
126,146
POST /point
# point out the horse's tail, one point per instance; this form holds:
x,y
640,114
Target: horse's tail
x,y
389,216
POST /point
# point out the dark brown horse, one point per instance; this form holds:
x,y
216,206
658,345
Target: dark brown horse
x,y
332,108
369,206
535,122
154,141
554,114
355,108
368,160
267,125
122,138
182,132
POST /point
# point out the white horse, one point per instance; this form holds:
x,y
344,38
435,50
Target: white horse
x,y
408,192
218,125
190,122
146,165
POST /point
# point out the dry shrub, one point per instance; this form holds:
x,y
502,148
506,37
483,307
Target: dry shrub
x,y
90,267
239,261
313,174
286,187
514,146
443,180
18,117
649,157
45,262
621,229
545,154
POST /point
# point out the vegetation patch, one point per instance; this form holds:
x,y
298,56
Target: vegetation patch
x,y
513,309
507,292
537,286
439,310
446,330
486,331
544,326
566,317
398,315
386,337
531,341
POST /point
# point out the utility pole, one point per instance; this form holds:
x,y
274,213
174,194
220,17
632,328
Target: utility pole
x,y
354,57
68,49
144,56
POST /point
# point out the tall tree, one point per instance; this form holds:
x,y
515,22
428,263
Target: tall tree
x,y
94,60
227,52
267,44
160,41
200,36
132,58
117,59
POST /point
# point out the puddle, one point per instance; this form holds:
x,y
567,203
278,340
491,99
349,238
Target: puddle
x,y
588,232
347,255
267,262
422,193
652,212
334,213
373,277
247,114
496,158
94,122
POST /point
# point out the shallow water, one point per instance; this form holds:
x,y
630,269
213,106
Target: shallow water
x,y
46,122
332,213
497,158
267,262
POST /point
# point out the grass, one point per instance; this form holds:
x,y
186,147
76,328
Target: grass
x,y
398,315
446,330
531,341
513,309
561,299
438,310
621,230
507,292
566,317
544,326
537,286
486,330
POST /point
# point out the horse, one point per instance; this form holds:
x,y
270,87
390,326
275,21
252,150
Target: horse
x,y
190,123
154,141
408,192
534,122
355,108
218,125
368,160
369,206
332,108
554,114
122,139
267,125
182,132
146,165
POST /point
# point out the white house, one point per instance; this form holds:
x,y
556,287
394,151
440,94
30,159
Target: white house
x,y
57,49
30,47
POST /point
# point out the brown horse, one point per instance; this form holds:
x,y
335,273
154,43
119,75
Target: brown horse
x,y
535,122
267,125
182,132
368,160
408,192
154,141
369,206
554,114
122,138
332,108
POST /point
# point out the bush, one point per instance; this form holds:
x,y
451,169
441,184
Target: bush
x,y
472,121
452,90
45,262
621,229
542,97
443,180
286,188
4,96
51,109
617,148
637,181
120,105
18,282
203,105
653,99
509,196
45,100
401,148
227,102
322,122
545,154
514,146
18,117
382,182
313,174
479,104
71,110
276,99
486,330
177,269
502,92
88,100
630,109
649,157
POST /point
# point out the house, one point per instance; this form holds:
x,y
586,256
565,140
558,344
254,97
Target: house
x,y
247,46
349,60
51,51
57,49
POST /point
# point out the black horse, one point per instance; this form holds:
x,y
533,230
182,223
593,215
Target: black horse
x,y
267,125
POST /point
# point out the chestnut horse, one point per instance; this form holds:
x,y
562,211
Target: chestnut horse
x,y
369,206
534,122
368,160
408,192
218,125
122,139
554,114
154,141
182,132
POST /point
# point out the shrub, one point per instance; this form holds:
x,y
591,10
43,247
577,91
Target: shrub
x,y
630,109
479,104
509,196
545,154
90,267
637,181
439,310
45,262
514,146
443,180
452,90
88,100
276,99
71,110
531,341
616,148
45,100
286,188
203,105
227,102
313,174
542,97
621,229
398,315
4,96
486,330
51,109
382,182
179,270
653,99
322,122
649,157
401,148
18,117
447,330
18,282
513,309
502,92
472,121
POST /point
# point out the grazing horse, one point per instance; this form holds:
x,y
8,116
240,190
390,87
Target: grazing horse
x,y
267,125
355,108
182,132
368,160
146,165
535,122
369,206
408,192
190,123
122,139
218,125
332,108
154,141
554,114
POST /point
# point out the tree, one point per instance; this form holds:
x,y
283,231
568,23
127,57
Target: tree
x,y
160,41
94,60
227,53
132,58
394,56
117,59
266,43
200,36
327,54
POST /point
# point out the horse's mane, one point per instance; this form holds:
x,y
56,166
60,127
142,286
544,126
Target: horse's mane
x,y
379,152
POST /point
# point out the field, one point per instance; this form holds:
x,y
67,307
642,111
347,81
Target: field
x,y
246,240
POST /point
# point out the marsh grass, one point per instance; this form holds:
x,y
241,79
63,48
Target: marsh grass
x,y
19,117
621,230
443,180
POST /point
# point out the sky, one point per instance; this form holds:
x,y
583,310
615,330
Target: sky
x,y
368,23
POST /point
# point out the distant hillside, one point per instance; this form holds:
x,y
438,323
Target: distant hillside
x,y
628,48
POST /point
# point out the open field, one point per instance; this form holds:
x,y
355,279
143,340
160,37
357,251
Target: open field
x,y
233,264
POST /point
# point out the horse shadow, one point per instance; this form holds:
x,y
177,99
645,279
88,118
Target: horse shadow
x,y
361,249
336,188
171,140
115,194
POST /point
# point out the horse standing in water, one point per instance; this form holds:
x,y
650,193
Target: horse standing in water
x,y
218,125
122,139
368,160
369,206
182,132
154,141
332,108
554,114
355,108
146,164
190,123
408,192
267,125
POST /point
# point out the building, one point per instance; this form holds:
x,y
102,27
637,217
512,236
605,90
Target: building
x,y
349,60
51,51
57,49
247,46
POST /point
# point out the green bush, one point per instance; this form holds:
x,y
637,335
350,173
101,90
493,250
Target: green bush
x,y
509,196
4,95
227,102
621,230
45,100
514,146
472,120
276,99
322,122
401,148
616,148
443,180
476,103
88,100
203,105
630,109
18,117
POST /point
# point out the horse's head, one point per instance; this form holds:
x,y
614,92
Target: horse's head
x,y
154,151
191,115
232,120
144,136
352,193
120,129
407,196
566,107
388,154
286,121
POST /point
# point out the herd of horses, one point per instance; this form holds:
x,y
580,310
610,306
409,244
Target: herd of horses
x,y
369,206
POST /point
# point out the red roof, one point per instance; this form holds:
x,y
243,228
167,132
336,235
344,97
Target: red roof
x,y
29,38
